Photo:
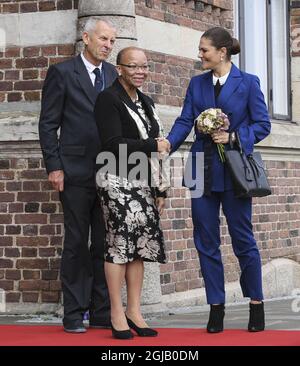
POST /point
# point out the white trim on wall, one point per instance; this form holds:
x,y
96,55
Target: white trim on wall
x,y
171,39
40,28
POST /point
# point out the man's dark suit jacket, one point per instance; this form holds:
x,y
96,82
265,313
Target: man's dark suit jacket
x,y
68,103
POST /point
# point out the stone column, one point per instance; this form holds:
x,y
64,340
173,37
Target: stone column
x,y
122,14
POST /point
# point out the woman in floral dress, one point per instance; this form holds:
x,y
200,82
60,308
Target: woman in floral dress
x,y
128,124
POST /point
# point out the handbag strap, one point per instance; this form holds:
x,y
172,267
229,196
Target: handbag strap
x,y
248,174
238,142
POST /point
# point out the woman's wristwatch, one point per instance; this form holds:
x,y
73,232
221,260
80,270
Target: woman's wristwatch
x,y
232,137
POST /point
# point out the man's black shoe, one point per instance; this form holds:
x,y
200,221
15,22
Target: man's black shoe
x,y
75,327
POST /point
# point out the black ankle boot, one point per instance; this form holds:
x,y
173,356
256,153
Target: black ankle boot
x,y
216,317
256,318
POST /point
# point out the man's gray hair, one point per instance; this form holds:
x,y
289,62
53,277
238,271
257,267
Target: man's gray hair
x,y
90,25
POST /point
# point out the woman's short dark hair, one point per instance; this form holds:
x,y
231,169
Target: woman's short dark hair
x,y
122,52
220,37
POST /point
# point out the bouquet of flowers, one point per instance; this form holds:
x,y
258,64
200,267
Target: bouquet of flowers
x,y
210,121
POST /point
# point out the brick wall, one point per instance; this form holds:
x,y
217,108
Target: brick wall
x,y
195,14
295,28
20,6
31,231
170,75
31,220
276,223
169,78
23,70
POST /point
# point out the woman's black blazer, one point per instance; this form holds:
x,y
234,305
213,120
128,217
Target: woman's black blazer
x,y
116,126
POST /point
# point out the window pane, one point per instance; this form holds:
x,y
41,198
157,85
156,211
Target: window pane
x,y
279,57
256,41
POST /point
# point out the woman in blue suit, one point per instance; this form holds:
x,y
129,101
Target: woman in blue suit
x,y
238,94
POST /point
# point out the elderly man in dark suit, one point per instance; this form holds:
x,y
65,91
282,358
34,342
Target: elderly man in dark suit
x,y
69,94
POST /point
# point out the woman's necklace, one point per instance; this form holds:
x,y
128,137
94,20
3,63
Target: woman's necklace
x,y
135,98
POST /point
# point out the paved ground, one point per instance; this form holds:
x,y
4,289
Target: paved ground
x,y
280,314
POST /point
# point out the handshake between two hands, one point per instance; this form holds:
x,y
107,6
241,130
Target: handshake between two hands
x,y
163,146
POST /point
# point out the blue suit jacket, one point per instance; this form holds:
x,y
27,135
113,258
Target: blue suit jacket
x,y
241,99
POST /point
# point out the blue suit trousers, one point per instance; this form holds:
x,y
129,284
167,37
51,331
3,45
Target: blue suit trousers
x,y
206,220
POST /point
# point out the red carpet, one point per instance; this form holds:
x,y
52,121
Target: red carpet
x,y
42,335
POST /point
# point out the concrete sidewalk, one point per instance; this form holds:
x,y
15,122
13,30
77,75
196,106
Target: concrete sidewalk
x,y
283,314
279,315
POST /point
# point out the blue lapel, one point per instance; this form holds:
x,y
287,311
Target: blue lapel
x,y
233,81
208,93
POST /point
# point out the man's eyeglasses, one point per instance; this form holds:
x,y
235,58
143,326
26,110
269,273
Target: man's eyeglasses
x,y
136,67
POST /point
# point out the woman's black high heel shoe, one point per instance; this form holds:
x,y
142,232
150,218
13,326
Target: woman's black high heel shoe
x,y
142,332
256,318
121,334
216,317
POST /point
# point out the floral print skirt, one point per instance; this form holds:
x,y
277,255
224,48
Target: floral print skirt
x,y
132,222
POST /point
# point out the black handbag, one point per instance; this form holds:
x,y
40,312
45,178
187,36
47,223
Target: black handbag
x,y
247,172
